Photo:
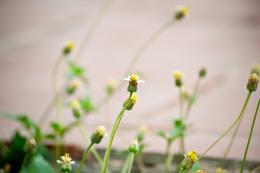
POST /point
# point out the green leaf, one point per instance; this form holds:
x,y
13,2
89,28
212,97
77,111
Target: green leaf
x,y
87,105
196,166
57,128
162,134
26,122
178,129
74,70
38,165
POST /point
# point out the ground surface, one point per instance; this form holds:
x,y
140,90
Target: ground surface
x,y
222,35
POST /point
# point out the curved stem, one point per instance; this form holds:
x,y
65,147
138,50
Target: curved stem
x,y
84,157
114,129
249,138
93,150
87,38
234,134
125,166
191,100
231,127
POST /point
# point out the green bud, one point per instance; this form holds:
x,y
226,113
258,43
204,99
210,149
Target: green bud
x,y
68,48
182,11
202,72
134,147
252,82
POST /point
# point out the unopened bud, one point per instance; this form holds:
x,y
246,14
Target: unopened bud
x,y
202,72
177,75
129,103
68,47
182,11
256,69
75,108
134,147
73,86
98,134
252,82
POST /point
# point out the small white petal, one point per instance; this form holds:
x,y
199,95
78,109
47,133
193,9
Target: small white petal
x,y
72,162
140,81
59,162
128,79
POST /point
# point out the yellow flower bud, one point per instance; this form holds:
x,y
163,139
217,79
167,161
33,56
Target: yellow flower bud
x,y
252,82
98,134
74,104
134,78
133,98
177,75
68,47
182,11
192,155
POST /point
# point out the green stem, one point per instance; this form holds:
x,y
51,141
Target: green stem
x,y
93,150
114,129
181,102
25,160
182,145
125,166
168,157
231,127
234,134
131,161
85,156
140,163
249,138
58,147
191,100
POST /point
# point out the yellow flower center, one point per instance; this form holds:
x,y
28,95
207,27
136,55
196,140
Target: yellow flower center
x,y
177,75
134,77
192,155
184,10
74,104
101,130
66,158
70,45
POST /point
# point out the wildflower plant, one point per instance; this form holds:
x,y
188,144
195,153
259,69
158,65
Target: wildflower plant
x,y
65,163
128,105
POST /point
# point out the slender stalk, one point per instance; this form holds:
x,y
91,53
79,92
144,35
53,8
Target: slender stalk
x,y
249,138
131,161
140,163
91,31
182,145
125,166
234,134
58,147
85,156
114,129
181,102
25,160
168,158
230,127
190,102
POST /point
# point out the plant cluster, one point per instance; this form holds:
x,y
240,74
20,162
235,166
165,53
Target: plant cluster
x,y
27,152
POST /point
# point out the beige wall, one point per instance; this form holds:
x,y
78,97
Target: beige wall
x,y
222,35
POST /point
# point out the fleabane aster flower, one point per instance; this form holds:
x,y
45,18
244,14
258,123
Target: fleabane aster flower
x,y
133,79
65,163
190,158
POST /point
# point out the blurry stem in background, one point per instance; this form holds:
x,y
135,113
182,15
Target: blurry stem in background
x,y
93,150
168,157
230,127
112,135
182,144
140,163
191,100
58,146
230,144
128,163
130,67
87,38
249,138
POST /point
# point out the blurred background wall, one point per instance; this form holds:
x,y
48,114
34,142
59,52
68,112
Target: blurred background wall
x,y
223,36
